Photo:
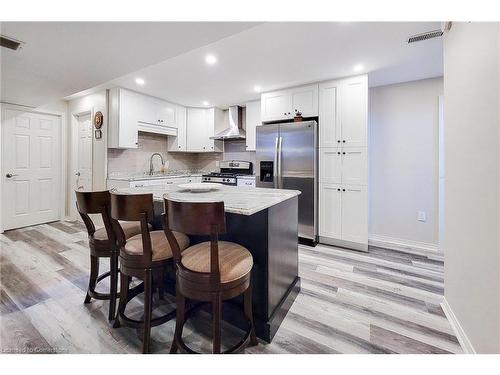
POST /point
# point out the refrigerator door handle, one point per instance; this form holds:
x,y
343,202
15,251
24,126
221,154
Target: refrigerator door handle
x,y
280,176
275,166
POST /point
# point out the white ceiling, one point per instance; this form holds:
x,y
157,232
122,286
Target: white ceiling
x,y
272,55
62,58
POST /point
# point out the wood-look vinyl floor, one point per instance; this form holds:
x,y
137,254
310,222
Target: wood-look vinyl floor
x,y
384,301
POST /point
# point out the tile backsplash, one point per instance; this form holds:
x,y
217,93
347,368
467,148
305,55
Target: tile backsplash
x,y
137,160
125,161
236,150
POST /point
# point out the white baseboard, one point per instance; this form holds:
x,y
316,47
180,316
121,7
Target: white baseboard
x,y
457,328
405,245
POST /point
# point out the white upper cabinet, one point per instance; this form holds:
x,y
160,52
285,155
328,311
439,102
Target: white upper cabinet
x,y
329,114
282,104
196,129
252,120
305,100
130,112
178,143
122,129
200,124
354,112
167,113
276,105
343,108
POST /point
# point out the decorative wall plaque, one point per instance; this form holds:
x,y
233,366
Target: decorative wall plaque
x,y
98,119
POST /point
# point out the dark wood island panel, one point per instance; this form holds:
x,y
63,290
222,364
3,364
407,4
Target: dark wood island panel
x,y
271,235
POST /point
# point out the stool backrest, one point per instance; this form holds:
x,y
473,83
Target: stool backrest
x,y
195,218
134,207
95,202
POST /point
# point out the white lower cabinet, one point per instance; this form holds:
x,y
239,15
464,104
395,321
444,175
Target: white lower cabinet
x,y
354,213
248,181
157,182
330,164
330,210
343,212
343,165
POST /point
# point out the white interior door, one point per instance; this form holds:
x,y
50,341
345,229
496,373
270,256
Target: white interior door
x,y
84,167
31,168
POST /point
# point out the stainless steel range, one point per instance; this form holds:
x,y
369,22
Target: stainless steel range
x,y
229,172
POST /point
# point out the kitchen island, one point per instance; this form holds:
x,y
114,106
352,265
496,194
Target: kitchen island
x,y
265,221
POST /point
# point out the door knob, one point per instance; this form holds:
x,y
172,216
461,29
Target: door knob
x,y
10,175
77,174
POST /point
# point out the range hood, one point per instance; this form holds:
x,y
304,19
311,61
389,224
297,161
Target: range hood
x,y
235,130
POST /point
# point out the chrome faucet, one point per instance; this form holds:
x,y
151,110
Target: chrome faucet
x,y
151,162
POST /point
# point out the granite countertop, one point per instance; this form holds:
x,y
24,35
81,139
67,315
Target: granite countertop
x,y
237,200
145,176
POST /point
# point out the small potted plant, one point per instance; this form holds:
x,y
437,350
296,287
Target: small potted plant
x,y
298,116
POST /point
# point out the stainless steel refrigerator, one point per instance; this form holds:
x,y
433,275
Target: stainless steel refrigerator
x,y
286,155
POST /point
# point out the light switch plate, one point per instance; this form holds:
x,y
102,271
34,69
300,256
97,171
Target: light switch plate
x,y
421,216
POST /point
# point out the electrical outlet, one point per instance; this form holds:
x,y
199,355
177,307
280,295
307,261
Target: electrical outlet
x,y
421,216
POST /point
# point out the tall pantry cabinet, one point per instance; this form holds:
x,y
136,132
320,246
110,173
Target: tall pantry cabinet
x,y
343,162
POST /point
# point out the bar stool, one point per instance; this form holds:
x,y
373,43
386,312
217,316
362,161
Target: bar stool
x,y
212,271
102,243
145,256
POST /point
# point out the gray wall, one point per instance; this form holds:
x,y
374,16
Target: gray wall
x,y
472,185
404,160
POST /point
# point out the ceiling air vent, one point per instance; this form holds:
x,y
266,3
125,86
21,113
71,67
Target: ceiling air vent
x,y
425,36
10,43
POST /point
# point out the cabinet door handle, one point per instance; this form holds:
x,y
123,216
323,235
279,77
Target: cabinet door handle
x,y
338,153
338,140
338,189
343,189
343,141
343,153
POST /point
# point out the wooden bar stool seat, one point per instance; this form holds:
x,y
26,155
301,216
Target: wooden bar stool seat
x,y
159,243
235,261
130,229
102,244
212,271
144,256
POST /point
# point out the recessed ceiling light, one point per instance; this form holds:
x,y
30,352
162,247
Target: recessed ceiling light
x,y
204,102
210,59
140,81
358,67
257,88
